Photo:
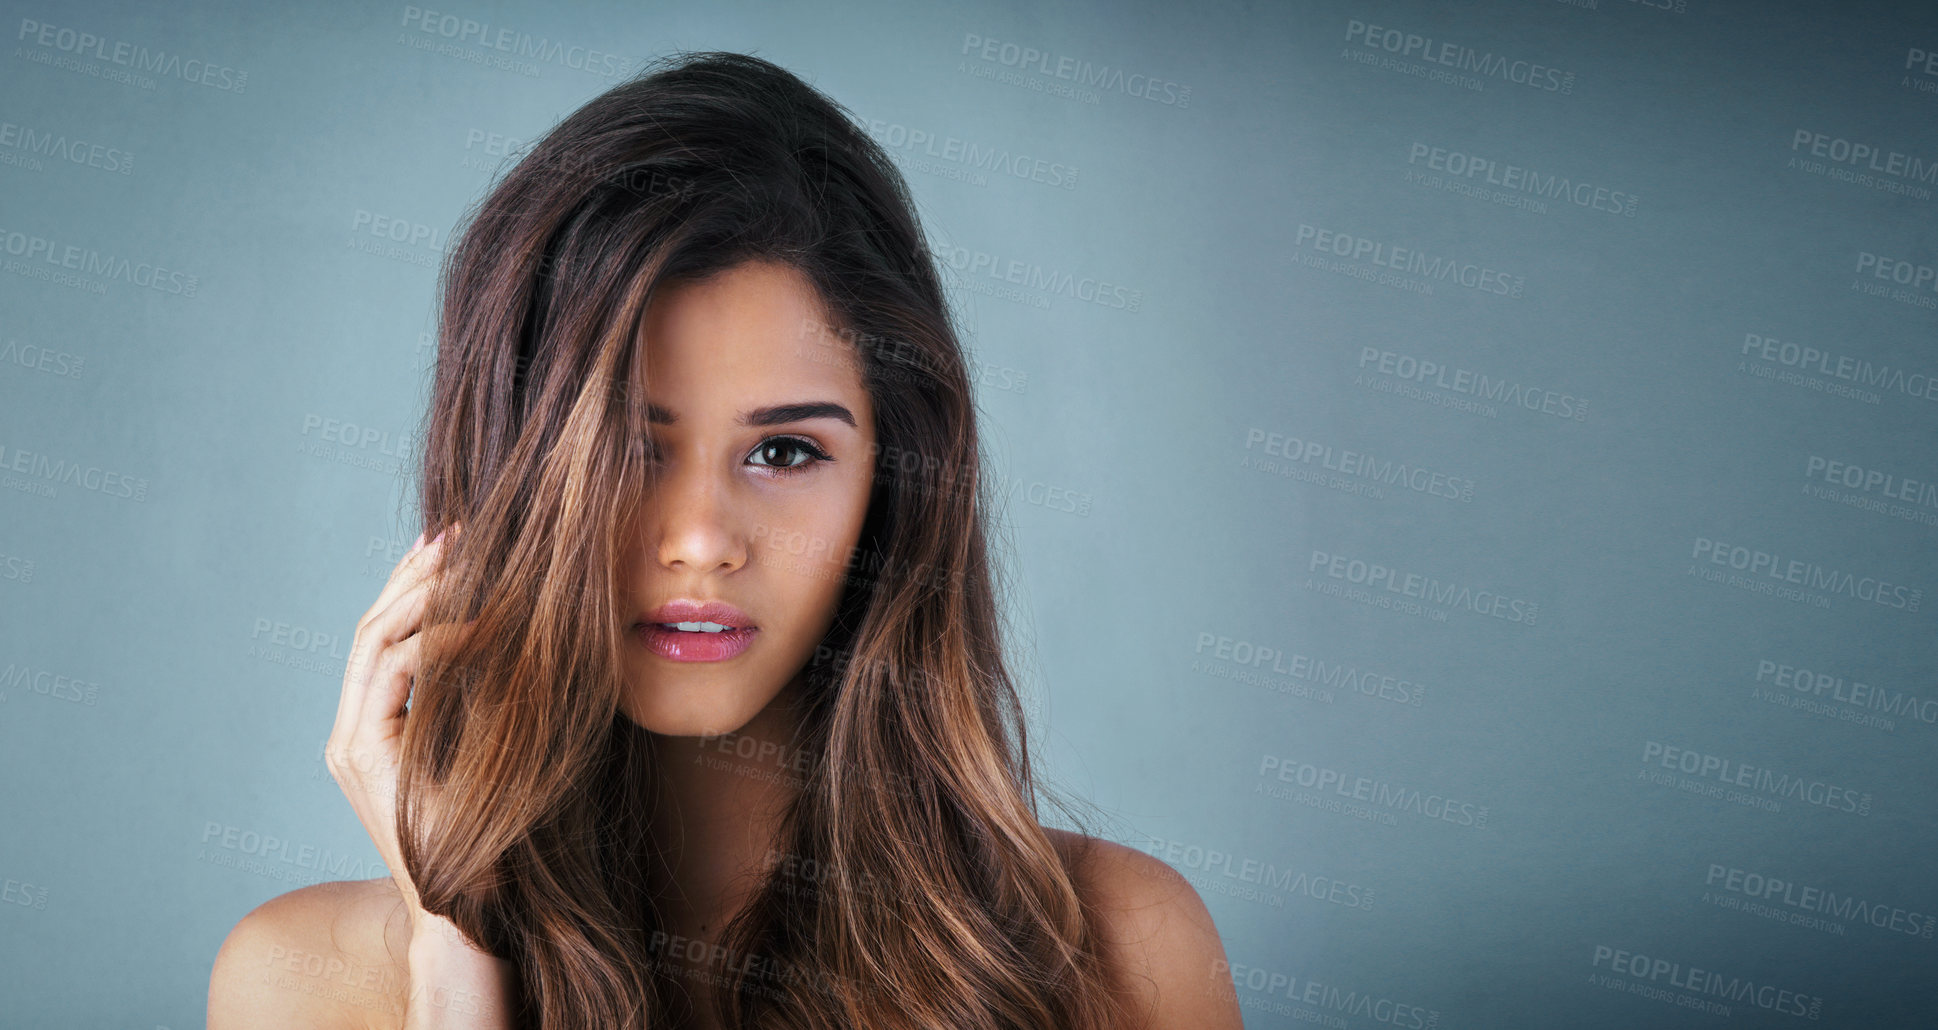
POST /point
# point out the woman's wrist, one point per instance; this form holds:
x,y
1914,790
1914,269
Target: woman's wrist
x,y
453,982
432,933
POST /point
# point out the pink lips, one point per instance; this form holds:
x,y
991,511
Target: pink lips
x,y
680,646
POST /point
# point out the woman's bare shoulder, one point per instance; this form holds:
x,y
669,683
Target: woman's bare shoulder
x,y
1115,875
1158,936
327,955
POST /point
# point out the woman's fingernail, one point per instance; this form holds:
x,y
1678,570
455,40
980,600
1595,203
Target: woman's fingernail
x,y
418,544
439,536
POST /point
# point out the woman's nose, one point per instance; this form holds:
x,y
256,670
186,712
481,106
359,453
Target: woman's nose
x,y
697,524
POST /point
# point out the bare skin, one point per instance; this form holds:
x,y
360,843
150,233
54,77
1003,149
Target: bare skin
x,y
261,975
724,523
762,517
732,491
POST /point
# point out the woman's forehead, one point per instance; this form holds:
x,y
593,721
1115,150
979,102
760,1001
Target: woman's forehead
x,y
754,335
756,305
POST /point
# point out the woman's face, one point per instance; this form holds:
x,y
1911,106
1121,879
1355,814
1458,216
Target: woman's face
x,y
748,503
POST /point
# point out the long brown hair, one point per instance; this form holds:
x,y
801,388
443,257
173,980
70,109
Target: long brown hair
x,y
918,888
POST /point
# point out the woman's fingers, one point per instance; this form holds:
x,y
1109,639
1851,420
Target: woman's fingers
x,y
412,568
389,686
394,624
364,748
383,624
384,667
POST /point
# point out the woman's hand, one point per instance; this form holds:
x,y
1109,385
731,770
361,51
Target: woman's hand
x,y
452,981
364,747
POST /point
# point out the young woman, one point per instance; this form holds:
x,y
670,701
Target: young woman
x,y
694,711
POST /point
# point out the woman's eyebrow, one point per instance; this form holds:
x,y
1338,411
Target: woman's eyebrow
x,y
773,415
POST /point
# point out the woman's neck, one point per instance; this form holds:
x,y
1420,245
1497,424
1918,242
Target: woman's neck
x,y
718,805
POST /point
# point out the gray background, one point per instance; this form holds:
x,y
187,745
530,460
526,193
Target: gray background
x,y
213,355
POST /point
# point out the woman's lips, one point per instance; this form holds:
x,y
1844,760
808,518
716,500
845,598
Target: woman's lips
x,y
685,610
682,646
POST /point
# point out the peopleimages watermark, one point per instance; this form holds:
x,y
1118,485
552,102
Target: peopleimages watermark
x,y
1925,64
1037,277
134,56
14,567
51,684
1360,465
17,141
1857,477
1807,575
54,254
1326,1000
512,42
1854,693
1730,772
1897,270
272,856
920,144
1236,875
1704,984
47,470
1521,179
1370,793
23,894
1789,361
1865,155
1410,260
1295,665
1819,901
62,363
1076,70
1374,575
1789,353
1412,45
1469,383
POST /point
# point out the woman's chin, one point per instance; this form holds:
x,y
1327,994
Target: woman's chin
x,y
677,716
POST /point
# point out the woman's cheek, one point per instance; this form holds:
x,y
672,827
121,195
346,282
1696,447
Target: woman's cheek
x,y
812,538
